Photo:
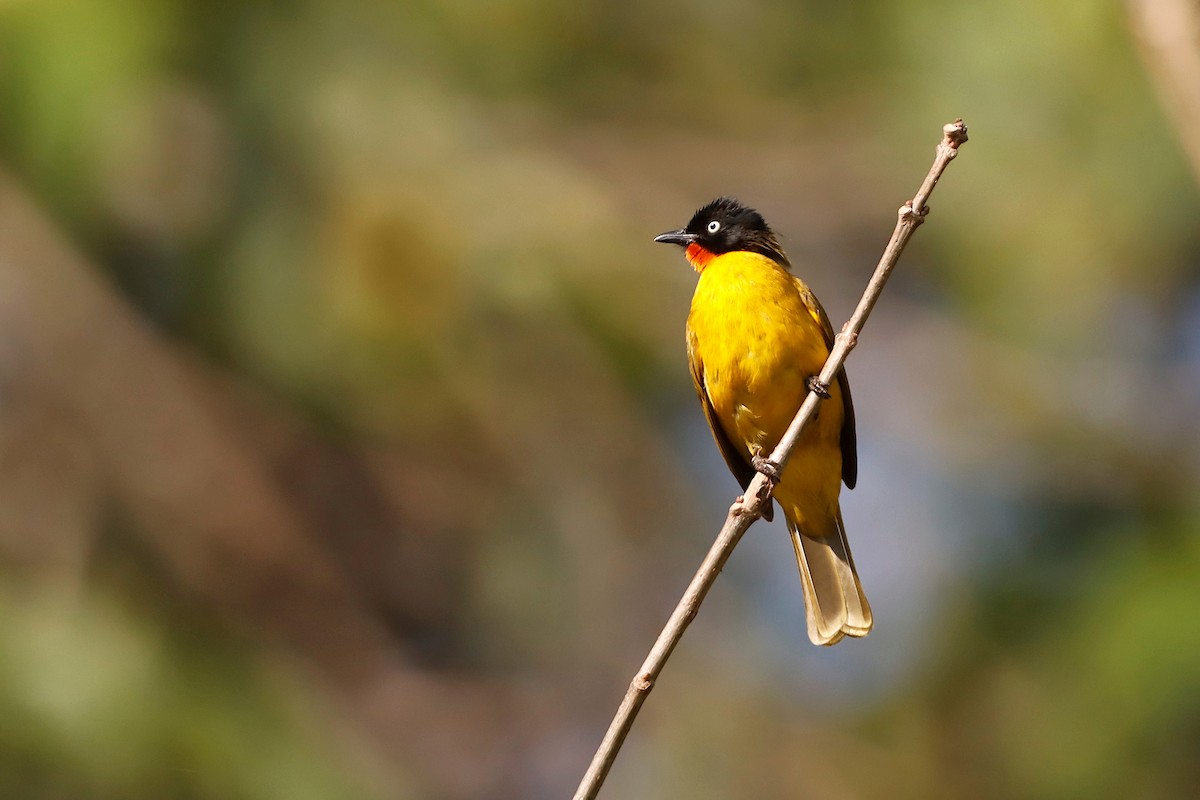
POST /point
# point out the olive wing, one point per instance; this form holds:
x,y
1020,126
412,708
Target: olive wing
x,y
849,441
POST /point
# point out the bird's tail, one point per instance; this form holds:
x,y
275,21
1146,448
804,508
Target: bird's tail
x,y
833,597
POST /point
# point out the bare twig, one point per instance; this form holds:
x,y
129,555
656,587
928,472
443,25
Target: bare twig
x,y
1168,36
747,508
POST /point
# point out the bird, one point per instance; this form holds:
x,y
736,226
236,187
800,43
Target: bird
x,y
757,339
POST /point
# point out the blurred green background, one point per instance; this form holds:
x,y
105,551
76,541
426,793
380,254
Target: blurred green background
x,y
348,450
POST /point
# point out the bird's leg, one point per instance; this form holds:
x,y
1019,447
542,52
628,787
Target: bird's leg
x,y
820,389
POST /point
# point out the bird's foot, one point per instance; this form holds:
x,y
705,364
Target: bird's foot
x,y
766,466
816,387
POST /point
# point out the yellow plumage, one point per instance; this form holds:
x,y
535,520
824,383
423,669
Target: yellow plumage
x,y
755,335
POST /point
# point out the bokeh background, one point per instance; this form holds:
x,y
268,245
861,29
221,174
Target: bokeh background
x,y
348,450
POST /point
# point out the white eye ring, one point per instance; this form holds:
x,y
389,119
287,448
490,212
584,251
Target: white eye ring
x,y
714,226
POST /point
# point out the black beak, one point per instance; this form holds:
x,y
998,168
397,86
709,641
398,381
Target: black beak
x,y
679,237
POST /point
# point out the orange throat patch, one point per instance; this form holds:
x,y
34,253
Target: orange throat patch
x,y
698,257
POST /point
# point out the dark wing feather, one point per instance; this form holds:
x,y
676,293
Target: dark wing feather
x,y
849,439
738,465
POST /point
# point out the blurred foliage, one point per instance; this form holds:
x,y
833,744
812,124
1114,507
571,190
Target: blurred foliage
x,y
101,700
411,243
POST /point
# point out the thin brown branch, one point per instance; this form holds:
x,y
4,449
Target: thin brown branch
x,y
1168,37
747,508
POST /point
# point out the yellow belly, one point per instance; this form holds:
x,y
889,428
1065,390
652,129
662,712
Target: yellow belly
x,y
758,343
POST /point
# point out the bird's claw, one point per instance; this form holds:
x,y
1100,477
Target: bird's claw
x,y
767,467
816,387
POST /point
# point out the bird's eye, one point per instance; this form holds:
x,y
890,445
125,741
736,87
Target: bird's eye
x,y
714,226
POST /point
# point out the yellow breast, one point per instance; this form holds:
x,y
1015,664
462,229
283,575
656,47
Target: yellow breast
x,y
758,343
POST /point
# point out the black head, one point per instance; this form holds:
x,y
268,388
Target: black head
x,y
725,226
